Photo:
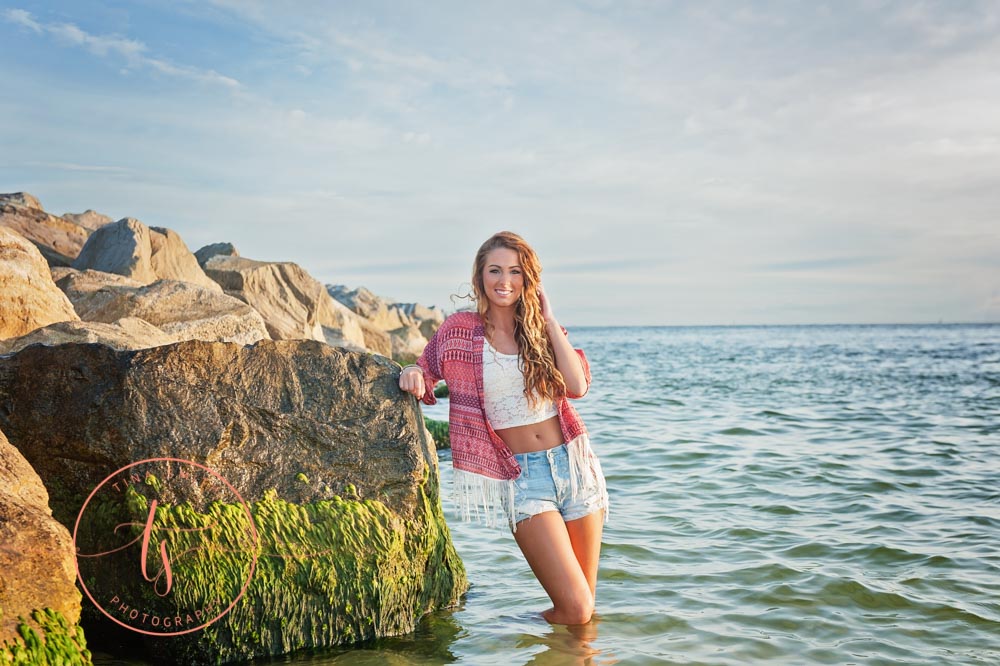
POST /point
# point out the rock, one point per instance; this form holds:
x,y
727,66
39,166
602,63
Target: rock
x,y
373,308
331,456
172,260
429,319
209,251
125,333
122,247
37,568
341,327
146,254
376,339
182,310
58,240
22,199
407,343
29,299
89,219
285,295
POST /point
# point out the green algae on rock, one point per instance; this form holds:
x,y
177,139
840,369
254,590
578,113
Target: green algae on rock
x,y
58,642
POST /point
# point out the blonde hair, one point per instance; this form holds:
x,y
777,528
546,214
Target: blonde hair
x,y
542,378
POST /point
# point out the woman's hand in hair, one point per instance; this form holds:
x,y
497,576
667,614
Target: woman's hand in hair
x,y
544,303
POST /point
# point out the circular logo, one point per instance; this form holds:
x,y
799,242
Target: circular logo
x,y
165,546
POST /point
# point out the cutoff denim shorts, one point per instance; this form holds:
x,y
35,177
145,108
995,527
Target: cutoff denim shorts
x,y
545,485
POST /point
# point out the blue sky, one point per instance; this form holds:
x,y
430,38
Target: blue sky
x,y
672,162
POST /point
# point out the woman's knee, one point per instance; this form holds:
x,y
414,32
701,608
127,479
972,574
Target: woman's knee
x,y
578,609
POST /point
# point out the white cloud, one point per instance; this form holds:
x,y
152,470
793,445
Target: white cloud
x,y
23,18
110,45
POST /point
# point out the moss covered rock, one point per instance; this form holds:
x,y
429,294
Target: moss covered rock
x,y
347,540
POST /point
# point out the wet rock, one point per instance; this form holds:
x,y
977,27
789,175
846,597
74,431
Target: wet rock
x,y
29,299
36,568
333,459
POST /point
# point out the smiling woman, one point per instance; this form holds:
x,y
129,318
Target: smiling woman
x,y
517,443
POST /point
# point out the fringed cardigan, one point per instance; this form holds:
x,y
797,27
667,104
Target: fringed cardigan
x,y
484,466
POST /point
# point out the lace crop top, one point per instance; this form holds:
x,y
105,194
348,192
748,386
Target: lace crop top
x,y
503,392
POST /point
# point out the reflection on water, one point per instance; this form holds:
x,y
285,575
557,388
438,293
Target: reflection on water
x,y
565,645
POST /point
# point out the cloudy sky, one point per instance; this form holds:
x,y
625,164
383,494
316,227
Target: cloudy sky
x,y
672,162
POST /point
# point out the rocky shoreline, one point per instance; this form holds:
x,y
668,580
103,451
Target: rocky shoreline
x,y
118,345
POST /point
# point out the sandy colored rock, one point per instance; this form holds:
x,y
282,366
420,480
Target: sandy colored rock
x,y
29,299
285,295
88,219
58,240
36,552
126,333
209,251
341,327
122,247
181,310
428,319
376,339
407,342
172,260
375,309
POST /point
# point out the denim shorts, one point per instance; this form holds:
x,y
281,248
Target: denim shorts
x,y
546,484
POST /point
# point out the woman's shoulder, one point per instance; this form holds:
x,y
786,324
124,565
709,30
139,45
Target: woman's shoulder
x,y
462,319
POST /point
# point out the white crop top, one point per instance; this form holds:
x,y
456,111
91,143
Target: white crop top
x,y
503,392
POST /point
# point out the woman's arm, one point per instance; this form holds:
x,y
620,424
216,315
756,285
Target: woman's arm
x,y
420,379
572,363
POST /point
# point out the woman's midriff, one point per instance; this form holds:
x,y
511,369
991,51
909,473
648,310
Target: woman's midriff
x,y
532,437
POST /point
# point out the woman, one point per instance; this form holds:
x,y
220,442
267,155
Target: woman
x,y
516,442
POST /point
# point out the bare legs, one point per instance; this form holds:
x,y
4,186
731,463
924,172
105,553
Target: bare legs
x,y
564,558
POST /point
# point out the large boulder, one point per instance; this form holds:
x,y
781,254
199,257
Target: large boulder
x,y
208,251
428,319
407,343
59,240
37,571
341,327
370,306
126,333
376,339
172,260
331,458
29,299
183,310
122,247
283,293
145,254
88,219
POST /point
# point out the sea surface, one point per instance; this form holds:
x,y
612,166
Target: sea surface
x,y
780,495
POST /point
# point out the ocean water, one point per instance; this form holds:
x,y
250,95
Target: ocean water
x,y
780,495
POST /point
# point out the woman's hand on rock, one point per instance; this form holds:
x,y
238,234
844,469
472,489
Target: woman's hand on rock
x,y
411,380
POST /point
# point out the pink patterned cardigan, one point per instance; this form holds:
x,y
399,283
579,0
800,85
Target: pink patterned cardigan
x,y
484,466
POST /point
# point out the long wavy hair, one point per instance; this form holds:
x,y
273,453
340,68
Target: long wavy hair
x,y
538,362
